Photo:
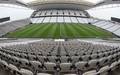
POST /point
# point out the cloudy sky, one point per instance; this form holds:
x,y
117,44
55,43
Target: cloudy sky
x,y
16,13
105,13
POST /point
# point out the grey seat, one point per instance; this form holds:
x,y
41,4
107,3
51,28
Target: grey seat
x,y
3,64
32,57
64,59
43,74
103,61
86,58
94,56
23,63
65,67
93,64
41,58
104,70
92,72
75,59
114,65
50,66
13,69
81,66
25,72
36,66
52,59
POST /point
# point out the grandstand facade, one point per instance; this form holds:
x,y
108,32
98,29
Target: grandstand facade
x,y
60,38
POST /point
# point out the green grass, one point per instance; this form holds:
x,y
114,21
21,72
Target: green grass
x,y
60,30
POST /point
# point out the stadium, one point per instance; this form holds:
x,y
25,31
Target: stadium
x,y
59,37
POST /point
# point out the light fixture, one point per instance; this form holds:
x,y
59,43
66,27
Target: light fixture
x,y
94,1
27,1
90,1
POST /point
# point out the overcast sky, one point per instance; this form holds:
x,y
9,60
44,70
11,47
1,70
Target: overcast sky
x,y
106,13
16,14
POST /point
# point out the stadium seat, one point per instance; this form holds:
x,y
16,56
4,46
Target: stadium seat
x,y
81,66
13,69
94,64
25,72
104,70
36,66
114,66
93,72
65,67
24,63
50,66
43,74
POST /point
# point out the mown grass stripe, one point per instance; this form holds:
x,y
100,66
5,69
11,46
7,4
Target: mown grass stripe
x,y
82,31
21,32
41,31
62,30
56,31
33,31
73,32
88,31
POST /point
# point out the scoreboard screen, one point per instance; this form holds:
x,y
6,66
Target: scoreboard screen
x,y
4,19
115,19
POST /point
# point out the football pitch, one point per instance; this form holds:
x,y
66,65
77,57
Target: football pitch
x,y
60,31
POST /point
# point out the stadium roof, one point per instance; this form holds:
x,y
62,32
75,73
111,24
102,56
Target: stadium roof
x,y
78,4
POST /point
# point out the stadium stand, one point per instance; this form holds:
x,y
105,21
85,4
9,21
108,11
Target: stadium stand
x,y
113,27
59,58
51,13
57,16
11,26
